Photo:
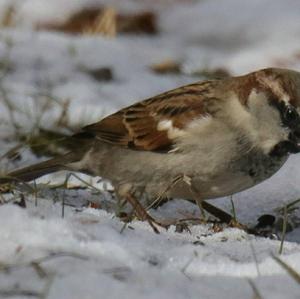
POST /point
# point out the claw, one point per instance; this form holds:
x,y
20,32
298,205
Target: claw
x,y
142,214
152,221
234,223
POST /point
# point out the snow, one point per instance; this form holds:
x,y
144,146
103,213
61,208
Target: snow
x,y
87,253
137,263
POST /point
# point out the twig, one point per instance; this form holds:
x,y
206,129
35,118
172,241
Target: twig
x,y
65,185
283,230
10,108
160,197
63,205
255,257
17,180
11,151
293,203
189,262
39,270
16,292
35,193
292,272
289,206
69,175
46,258
47,287
233,209
257,295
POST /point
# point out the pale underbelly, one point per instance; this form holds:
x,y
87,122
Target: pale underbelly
x,y
239,177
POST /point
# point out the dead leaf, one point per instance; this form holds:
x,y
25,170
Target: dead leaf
x,y
167,67
105,21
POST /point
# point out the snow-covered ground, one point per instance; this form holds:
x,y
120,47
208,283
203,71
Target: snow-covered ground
x,y
88,254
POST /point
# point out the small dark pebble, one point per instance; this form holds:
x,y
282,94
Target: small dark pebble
x,y
182,227
265,220
21,202
198,243
101,74
153,261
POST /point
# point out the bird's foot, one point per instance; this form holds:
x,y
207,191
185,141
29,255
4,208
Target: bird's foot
x,y
236,224
154,223
143,215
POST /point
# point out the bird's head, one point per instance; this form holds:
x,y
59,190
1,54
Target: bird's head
x,y
281,88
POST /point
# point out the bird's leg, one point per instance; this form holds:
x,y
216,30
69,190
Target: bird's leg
x,y
202,204
216,212
186,179
223,216
213,210
160,197
142,214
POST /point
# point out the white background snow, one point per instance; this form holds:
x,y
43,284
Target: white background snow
x,y
91,257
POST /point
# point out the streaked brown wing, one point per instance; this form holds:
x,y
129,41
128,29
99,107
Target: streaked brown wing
x,y
138,126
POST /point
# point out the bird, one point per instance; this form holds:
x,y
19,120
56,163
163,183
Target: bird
x,y
200,141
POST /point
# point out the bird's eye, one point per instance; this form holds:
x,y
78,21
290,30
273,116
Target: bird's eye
x,y
290,115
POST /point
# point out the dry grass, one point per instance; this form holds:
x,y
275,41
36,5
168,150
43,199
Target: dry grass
x,y
105,24
233,210
168,66
105,21
291,271
256,294
8,17
291,206
284,226
43,142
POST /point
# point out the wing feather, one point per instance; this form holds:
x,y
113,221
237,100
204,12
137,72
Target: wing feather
x,y
138,126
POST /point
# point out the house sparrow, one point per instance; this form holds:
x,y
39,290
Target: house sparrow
x,y
204,140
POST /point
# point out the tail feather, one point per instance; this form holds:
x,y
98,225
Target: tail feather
x,y
32,172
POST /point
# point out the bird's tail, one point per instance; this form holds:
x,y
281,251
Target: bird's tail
x,y
32,172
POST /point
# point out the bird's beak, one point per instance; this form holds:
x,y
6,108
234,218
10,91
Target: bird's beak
x,y
296,133
294,138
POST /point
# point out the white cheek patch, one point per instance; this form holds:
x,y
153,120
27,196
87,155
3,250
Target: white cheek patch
x,y
265,125
257,104
286,98
167,125
256,98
